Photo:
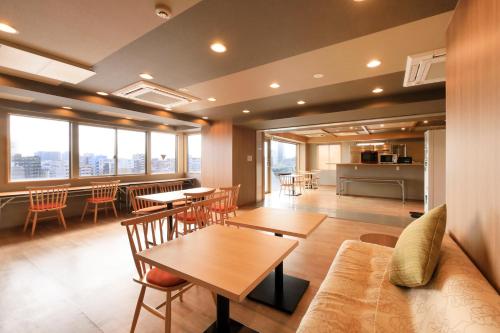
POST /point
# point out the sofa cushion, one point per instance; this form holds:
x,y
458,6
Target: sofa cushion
x,y
346,300
417,249
457,299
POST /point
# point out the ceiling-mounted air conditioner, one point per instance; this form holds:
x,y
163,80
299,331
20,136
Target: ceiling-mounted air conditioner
x,y
153,94
424,68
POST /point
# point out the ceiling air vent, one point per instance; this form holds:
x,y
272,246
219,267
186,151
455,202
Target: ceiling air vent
x,y
425,68
153,94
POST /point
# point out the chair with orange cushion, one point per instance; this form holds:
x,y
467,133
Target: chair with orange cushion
x,y
103,193
144,232
219,207
232,193
46,199
189,219
141,207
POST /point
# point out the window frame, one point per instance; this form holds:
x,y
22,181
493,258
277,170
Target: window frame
x,y
187,153
8,160
150,159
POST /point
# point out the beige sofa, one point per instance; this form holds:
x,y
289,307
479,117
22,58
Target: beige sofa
x,y
356,296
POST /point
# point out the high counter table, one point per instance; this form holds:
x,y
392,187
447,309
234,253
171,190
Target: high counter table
x,y
410,176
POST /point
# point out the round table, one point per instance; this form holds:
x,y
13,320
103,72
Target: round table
x,y
380,239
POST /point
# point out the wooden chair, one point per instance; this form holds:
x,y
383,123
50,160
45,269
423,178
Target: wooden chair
x,y
143,233
315,179
286,183
300,182
46,199
170,186
219,207
232,200
102,193
141,207
189,219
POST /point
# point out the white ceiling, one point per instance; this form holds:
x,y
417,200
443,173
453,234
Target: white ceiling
x,y
82,31
339,62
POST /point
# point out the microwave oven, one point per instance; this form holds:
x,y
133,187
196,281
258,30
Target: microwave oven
x,y
388,158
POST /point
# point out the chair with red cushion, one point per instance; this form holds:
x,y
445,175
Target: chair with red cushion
x,y
233,193
103,193
46,199
144,232
190,220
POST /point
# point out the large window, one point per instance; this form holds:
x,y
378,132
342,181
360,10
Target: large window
x,y
328,157
131,152
97,150
39,148
194,153
163,152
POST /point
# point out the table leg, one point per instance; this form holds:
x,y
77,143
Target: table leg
x,y
280,291
170,230
224,324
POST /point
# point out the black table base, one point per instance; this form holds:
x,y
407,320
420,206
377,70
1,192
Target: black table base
x,y
280,291
224,324
287,300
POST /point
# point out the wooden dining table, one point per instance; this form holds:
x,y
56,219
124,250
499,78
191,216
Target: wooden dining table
x,y
278,290
227,261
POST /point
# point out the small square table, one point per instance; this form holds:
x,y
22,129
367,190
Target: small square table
x,y
227,261
280,291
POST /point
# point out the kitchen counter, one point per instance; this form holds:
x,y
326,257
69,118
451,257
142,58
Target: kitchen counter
x,y
413,174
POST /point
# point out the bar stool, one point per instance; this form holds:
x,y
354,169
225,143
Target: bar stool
x,y
102,193
46,199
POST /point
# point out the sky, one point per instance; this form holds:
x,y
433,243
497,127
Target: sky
x,y
54,135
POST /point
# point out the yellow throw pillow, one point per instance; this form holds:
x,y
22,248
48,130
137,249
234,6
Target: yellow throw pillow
x,y
417,250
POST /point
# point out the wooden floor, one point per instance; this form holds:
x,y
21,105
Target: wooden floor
x,y
81,280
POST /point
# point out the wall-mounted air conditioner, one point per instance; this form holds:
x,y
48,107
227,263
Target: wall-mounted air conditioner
x,y
150,93
424,68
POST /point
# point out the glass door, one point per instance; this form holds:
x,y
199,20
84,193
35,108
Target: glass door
x,y
267,167
283,161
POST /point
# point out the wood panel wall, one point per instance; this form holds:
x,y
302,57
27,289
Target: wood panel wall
x,y
245,171
473,134
217,154
225,152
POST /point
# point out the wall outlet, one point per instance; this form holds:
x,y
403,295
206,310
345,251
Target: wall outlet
x,y
249,158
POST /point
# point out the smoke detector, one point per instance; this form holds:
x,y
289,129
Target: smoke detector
x,y
163,11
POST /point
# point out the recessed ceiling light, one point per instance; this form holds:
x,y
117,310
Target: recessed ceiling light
x,y
7,28
211,99
373,63
403,128
218,47
128,118
246,111
67,107
301,102
146,76
204,118
102,93
377,90
274,85
382,125
183,89
318,76
352,127
426,121
168,109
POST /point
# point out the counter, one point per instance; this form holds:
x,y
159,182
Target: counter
x,y
413,174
